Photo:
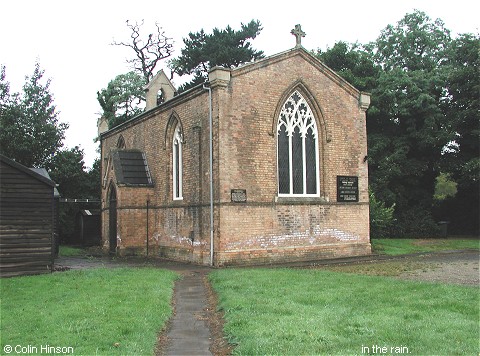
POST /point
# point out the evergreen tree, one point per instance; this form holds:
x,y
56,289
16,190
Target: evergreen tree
x,y
227,48
31,133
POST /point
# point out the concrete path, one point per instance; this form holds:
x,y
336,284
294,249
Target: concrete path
x,y
189,333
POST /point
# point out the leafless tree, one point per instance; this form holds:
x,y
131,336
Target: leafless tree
x,y
147,52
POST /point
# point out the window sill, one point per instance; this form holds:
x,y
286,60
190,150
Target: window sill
x,y
300,200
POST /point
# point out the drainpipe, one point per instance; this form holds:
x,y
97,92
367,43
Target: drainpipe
x,y
148,208
210,168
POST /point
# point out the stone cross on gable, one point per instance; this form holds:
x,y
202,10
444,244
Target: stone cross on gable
x,y
298,33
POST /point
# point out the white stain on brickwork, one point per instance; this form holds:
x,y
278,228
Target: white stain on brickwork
x,y
182,240
316,237
339,235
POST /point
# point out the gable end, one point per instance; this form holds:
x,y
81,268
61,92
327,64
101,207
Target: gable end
x,y
319,65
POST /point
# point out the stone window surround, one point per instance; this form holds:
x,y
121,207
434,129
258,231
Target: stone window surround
x,y
304,126
177,159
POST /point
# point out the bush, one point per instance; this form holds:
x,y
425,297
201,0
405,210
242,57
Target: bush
x,y
415,223
381,217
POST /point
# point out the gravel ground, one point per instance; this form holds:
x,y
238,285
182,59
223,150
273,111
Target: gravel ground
x,y
449,267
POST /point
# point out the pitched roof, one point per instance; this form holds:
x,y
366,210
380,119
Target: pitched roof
x,y
43,172
27,170
131,168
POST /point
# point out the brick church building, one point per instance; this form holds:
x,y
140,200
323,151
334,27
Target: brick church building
x,y
263,163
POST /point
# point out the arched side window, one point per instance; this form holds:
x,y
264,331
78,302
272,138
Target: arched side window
x,y
121,143
297,149
177,164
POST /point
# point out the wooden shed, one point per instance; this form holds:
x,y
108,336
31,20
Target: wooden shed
x,y
26,220
56,212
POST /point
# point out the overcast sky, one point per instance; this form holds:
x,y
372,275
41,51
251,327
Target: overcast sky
x,y
71,39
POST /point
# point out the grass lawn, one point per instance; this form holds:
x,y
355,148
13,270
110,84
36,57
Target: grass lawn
x,y
404,246
308,312
95,311
67,251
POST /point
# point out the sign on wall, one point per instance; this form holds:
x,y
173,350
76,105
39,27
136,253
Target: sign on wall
x,y
347,189
239,195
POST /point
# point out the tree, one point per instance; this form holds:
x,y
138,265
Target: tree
x,y
353,63
462,106
444,187
68,171
121,99
4,89
93,187
424,104
415,43
227,48
74,181
32,135
31,132
407,129
461,160
149,52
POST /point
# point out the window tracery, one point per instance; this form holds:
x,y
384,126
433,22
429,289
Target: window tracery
x,y
297,149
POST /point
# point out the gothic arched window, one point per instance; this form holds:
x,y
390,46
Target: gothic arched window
x,y
121,143
297,149
177,163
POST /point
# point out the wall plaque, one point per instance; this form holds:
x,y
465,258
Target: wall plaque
x,y
347,189
239,195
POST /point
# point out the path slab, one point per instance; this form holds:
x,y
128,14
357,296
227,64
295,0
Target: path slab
x,y
189,333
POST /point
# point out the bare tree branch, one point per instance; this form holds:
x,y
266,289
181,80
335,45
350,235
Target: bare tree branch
x,y
148,52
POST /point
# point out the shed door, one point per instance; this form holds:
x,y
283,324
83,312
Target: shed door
x,y
113,221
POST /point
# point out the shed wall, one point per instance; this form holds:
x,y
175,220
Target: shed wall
x,y
26,223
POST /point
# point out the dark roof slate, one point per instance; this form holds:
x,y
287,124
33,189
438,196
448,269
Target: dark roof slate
x,y
131,168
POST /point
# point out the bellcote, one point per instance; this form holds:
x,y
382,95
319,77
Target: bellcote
x,y
159,82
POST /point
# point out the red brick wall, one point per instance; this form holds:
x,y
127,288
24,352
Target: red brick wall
x,y
269,228
265,228
176,228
